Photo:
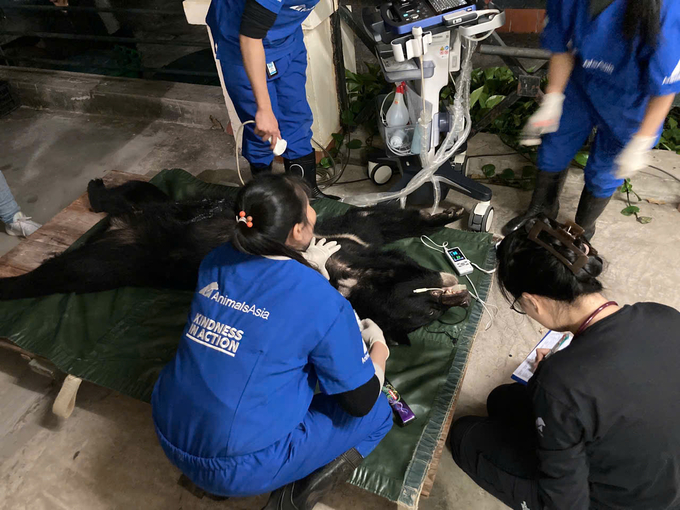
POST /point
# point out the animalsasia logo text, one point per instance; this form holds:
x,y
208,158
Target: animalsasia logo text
x,y
674,77
599,65
212,292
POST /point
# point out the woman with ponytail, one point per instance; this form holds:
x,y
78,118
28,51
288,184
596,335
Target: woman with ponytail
x,y
615,68
236,409
597,427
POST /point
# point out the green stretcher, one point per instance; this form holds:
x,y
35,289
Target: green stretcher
x,y
121,339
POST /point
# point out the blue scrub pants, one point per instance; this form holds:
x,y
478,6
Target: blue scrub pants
x,y
577,122
326,432
289,103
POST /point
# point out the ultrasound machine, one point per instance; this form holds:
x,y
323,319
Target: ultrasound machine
x,y
423,43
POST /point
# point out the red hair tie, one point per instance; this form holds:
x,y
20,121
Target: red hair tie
x,y
248,220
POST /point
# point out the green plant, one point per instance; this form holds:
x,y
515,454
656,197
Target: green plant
x,y
670,137
526,179
363,90
129,60
488,88
631,209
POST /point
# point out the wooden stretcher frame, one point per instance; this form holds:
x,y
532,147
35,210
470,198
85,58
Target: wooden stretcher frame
x,y
51,239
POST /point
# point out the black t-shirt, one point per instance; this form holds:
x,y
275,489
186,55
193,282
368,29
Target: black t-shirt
x,y
608,414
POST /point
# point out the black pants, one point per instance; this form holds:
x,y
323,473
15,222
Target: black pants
x,y
499,452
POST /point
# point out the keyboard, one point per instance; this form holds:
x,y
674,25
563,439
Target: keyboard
x,y
440,6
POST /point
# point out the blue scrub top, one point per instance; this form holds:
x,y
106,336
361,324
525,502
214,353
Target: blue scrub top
x,y
224,19
261,333
618,77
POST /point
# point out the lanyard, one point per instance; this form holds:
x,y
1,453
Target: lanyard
x,y
587,322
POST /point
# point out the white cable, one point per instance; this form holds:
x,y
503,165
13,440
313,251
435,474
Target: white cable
x,y
239,144
475,295
434,246
481,38
239,147
492,271
442,248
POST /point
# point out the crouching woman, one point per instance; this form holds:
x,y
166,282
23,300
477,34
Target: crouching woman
x,y
597,426
235,410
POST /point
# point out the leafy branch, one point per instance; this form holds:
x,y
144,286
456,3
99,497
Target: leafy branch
x,y
526,179
631,209
363,90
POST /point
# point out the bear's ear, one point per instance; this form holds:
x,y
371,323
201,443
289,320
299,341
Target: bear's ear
x,y
397,338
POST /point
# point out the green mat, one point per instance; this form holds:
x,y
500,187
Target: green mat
x,y
121,339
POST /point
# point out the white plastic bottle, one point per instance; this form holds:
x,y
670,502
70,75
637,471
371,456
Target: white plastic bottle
x,y
398,139
397,115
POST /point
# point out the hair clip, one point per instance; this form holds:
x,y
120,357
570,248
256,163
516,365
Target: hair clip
x,y
248,220
566,235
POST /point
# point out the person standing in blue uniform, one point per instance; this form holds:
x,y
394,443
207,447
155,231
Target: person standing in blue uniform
x,y
259,44
615,67
236,409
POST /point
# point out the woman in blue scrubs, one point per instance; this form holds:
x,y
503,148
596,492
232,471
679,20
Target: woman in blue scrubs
x,y
259,44
615,67
236,409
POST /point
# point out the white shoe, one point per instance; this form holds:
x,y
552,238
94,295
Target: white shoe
x,y
21,225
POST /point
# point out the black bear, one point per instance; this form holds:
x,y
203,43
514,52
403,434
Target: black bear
x,y
152,241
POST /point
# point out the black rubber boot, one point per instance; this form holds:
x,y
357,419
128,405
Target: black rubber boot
x,y
546,199
589,210
256,170
305,167
306,493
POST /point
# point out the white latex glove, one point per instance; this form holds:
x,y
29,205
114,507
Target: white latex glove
x,y
372,334
319,252
634,157
545,120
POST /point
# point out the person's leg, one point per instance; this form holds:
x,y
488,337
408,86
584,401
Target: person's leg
x,y
499,452
511,404
329,425
554,155
499,458
325,450
255,150
600,177
296,121
8,206
16,223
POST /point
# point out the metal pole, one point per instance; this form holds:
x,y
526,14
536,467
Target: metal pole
x,y
103,38
348,18
339,61
508,51
63,63
53,8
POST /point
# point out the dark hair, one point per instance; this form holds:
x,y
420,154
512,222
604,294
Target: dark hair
x,y
643,17
526,266
276,204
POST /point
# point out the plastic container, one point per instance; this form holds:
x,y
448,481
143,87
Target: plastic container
x,y
399,140
398,115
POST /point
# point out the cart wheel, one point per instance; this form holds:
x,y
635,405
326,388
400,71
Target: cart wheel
x,y
379,173
460,161
66,399
481,217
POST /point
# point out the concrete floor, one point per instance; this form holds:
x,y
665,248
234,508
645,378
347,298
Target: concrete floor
x,y
106,455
